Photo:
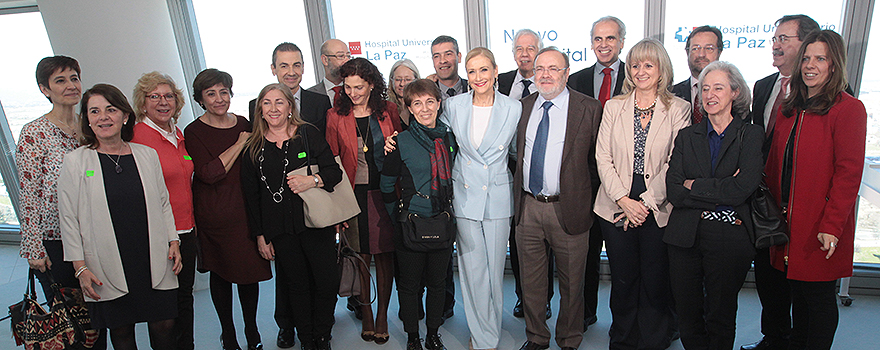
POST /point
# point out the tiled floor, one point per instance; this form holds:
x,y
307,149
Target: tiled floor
x,y
858,328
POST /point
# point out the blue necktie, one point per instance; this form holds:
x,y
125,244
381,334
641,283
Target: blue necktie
x,y
539,148
526,91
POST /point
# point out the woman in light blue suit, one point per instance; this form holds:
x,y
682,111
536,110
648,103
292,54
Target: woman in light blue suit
x,y
484,123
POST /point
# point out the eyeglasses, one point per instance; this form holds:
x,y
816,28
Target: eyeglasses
x,y
156,97
529,49
706,49
403,80
551,69
782,38
340,56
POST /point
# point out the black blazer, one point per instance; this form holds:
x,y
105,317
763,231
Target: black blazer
x,y
582,81
505,82
691,159
683,90
314,109
576,188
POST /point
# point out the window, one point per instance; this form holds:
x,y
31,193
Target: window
x,y
398,29
21,98
242,45
746,31
867,243
567,30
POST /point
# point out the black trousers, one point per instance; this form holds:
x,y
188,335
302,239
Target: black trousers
x,y
62,273
418,269
813,314
183,326
706,280
283,311
514,265
591,276
775,294
641,301
308,261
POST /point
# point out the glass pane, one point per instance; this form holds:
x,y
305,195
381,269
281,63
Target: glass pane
x,y
868,224
567,30
746,32
19,93
242,45
407,35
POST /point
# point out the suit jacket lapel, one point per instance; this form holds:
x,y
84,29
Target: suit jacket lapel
x,y
730,134
576,112
701,148
464,123
658,120
496,122
621,76
627,123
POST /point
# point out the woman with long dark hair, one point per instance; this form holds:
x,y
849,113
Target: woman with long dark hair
x,y
814,171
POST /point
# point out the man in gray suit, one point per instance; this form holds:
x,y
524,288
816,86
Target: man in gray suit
x,y
334,53
555,170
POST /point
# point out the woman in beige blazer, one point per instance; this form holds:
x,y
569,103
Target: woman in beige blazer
x,y
635,141
116,224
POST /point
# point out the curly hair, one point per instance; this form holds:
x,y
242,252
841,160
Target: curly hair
x,y
367,71
146,84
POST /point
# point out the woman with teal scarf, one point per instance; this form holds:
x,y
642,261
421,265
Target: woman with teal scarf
x,y
422,166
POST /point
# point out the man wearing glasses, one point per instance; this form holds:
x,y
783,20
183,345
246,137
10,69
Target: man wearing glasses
x,y
334,53
768,95
555,171
703,46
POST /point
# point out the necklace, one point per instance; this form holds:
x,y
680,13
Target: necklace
x,y
358,129
118,167
647,111
277,196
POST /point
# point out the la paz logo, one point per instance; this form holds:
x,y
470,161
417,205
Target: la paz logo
x,y
354,47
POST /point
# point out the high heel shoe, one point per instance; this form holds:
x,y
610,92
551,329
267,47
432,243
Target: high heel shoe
x,y
381,338
368,336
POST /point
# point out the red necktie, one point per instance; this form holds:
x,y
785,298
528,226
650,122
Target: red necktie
x,y
605,90
771,123
336,90
697,114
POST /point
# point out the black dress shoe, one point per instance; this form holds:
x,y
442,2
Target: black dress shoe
x,y
229,345
589,321
322,343
432,342
258,346
286,338
354,306
518,309
308,346
528,345
549,311
765,344
414,344
568,348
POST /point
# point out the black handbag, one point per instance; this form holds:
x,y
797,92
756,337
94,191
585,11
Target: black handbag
x,y
770,225
768,221
426,234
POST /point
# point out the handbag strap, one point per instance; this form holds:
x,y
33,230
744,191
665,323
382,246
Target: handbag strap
x,y
305,141
30,290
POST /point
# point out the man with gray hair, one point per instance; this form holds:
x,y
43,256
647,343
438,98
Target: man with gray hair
x,y
552,189
518,83
601,81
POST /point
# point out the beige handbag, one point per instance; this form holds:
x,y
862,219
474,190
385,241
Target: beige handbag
x,y
322,208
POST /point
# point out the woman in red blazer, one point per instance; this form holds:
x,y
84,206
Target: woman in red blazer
x,y
814,170
356,130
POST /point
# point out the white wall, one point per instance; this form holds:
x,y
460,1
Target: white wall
x,y
116,41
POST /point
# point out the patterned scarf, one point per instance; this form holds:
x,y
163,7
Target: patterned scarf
x,y
440,143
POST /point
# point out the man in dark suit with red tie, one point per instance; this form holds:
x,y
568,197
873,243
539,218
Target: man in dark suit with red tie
x,y
767,97
602,83
704,46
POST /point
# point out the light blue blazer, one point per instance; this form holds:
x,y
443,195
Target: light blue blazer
x,y
482,182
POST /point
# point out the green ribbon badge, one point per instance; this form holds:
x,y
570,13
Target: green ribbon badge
x,y
90,173
301,155
187,157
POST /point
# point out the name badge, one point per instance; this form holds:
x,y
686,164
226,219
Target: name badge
x,y
90,173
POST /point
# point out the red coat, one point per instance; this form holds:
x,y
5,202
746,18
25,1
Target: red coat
x,y
177,168
342,136
829,156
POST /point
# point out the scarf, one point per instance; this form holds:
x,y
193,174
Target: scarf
x,y
440,144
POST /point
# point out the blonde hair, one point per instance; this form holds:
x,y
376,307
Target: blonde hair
x,y
650,50
146,84
481,51
258,137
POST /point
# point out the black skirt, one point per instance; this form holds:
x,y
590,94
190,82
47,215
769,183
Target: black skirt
x,y
128,212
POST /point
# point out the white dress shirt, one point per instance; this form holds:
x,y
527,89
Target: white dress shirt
x,y
555,142
516,89
328,87
777,87
598,77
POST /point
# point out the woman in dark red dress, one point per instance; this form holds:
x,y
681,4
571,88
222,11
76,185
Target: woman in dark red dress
x,y
215,141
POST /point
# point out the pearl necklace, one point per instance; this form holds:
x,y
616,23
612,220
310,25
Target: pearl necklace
x,y
276,195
